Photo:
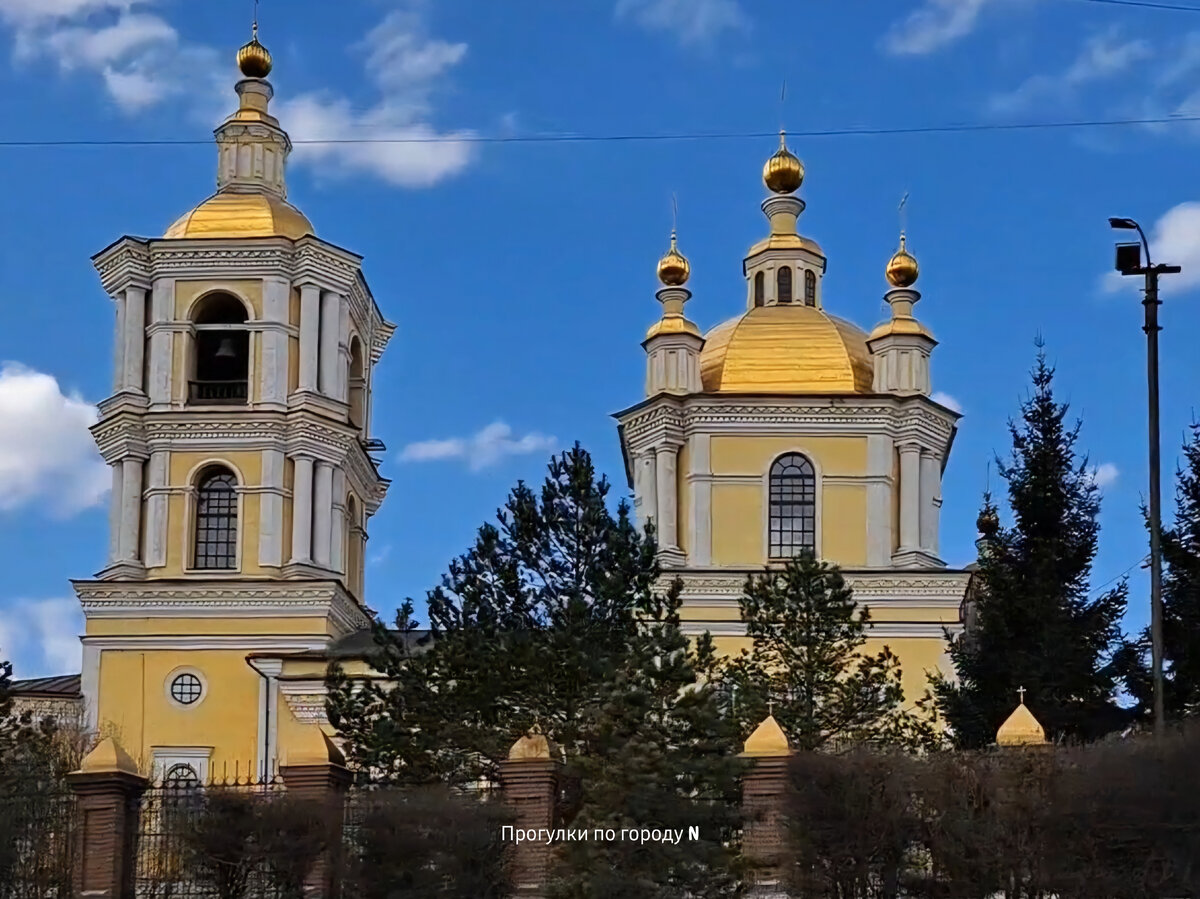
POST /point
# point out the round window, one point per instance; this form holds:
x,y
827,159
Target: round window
x,y
186,688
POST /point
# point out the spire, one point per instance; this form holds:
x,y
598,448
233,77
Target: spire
x,y
673,272
252,147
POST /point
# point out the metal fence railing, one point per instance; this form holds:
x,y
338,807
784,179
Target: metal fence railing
x,y
37,828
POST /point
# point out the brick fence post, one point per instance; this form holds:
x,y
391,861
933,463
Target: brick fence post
x,y
322,778
530,779
107,787
764,788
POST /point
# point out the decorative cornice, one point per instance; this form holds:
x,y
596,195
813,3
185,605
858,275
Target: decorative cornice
x,y
883,587
883,630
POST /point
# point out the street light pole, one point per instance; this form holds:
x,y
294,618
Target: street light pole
x,y
1129,263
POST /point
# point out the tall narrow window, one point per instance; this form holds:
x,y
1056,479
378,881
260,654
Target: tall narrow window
x,y
216,521
783,282
793,507
221,353
358,386
810,288
760,289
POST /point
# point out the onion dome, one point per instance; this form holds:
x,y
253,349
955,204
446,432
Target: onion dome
x,y
253,59
988,521
673,268
783,172
902,268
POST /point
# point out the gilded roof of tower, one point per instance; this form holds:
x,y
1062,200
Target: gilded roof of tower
x,y
232,214
788,349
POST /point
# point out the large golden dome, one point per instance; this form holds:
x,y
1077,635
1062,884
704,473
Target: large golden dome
x,y
788,349
232,214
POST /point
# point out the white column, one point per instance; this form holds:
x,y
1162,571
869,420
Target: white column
x,y
343,365
154,551
330,325
119,344
135,337
273,376
910,496
668,515
700,506
302,517
310,330
114,514
162,309
644,488
930,483
131,507
270,506
322,513
337,527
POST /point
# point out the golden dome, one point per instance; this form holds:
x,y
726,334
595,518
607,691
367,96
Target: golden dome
x,y
232,214
1021,729
768,739
673,268
789,349
902,268
783,172
254,59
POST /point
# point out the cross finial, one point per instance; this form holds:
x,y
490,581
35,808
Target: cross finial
x,y
1021,694
771,707
254,26
902,212
674,213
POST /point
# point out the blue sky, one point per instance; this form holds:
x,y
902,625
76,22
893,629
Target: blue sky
x,y
521,274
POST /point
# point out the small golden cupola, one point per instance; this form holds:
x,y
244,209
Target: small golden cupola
x,y
1021,728
673,343
252,152
783,173
902,269
768,739
902,346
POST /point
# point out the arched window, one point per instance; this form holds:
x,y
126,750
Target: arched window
x,y
760,289
358,386
222,351
216,521
810,288
783,284
181,777
793,507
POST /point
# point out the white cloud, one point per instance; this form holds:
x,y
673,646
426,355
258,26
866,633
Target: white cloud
x,y
41,636
1102,56
1175,240
407,66
1105,474
947,400
481,450
691,21
46,451
933,25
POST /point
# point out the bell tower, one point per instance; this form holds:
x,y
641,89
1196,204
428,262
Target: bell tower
x,y
243,477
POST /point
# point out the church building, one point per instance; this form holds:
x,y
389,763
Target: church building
x,y
786,429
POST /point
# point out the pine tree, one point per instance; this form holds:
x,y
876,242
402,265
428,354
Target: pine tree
x,y
1181,604
555,619
808,668
1034,624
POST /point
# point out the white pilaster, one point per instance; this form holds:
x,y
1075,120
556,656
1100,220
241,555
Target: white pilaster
x,y
155,539
115,500
89,686
337,518
162,311
668,507
310,330
645,488
322,513
274,372
700,506
930,500
270,527
331,318
131,507
343,365
910,497
119,339
302,517
135,338
879,500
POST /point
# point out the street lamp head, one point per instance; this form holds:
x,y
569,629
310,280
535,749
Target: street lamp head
x,y
1123,224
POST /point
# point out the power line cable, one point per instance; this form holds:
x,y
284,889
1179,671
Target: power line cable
x,y
1147,4
632,138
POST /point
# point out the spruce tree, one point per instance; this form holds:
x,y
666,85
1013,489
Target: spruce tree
x,y
1181,604
808,668
1034,624
555,619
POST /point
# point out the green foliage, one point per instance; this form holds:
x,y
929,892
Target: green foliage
x,y
807,665
427,843
555,619
1034,623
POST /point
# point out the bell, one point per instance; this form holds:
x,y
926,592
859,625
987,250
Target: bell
x,y
225,349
